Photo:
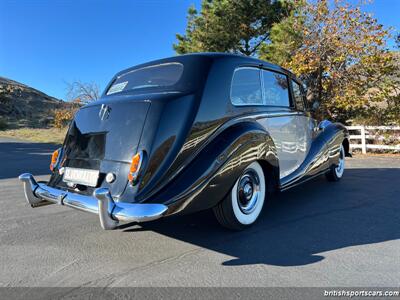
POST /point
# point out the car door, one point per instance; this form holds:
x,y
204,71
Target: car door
x,y
271,92
281,120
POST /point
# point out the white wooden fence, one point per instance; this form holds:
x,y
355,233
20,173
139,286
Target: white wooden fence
x,y
364,134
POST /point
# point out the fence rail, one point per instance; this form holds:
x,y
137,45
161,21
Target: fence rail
x,y
364,134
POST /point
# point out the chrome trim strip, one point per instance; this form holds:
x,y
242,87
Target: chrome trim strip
x,y
101,203
284,113
269,115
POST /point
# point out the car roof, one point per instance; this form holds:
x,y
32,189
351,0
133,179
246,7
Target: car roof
x,y
244,59
213,56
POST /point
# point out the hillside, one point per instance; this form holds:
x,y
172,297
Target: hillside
x,y
23,106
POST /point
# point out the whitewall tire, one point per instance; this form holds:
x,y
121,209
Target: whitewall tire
x,y
243,205
336,171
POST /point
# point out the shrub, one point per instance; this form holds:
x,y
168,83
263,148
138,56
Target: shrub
x,y
62,117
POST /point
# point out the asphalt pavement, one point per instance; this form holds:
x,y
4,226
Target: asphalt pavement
x,y
319,234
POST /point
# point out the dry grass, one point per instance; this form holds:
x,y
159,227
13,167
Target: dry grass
x,y
40,135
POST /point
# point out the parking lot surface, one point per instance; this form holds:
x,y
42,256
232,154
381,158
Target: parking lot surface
x,y
317,234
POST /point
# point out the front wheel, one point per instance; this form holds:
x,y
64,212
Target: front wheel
x,y
336,171
244,203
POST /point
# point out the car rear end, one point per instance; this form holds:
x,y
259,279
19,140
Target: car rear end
x,y
111,141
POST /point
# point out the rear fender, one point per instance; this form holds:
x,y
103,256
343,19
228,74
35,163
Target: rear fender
x,y
212,174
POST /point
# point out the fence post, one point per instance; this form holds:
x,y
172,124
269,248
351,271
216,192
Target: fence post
x,y
363,142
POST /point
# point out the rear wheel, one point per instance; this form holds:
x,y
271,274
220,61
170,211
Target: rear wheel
x,y
244,203
336,171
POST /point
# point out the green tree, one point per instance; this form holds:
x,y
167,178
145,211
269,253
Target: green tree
x,y
238,26
284,40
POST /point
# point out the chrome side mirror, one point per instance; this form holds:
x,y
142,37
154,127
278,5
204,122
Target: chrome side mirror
x,y
323,124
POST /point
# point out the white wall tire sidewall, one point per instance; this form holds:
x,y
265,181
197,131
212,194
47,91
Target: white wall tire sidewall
x,y
337,173
247,219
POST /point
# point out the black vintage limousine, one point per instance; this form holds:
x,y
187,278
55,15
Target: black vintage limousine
x,y
189,133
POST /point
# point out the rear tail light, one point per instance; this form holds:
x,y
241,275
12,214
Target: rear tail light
x,y
135,167
55,159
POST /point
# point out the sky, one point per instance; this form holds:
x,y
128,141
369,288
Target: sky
x,y
46,43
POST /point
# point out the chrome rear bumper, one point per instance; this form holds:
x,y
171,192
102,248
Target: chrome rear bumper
x,y
101,203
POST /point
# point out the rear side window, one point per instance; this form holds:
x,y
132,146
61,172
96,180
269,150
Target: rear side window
x,y
156,76
298,96
276,89
246,87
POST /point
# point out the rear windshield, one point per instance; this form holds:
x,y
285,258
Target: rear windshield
x,y
156,76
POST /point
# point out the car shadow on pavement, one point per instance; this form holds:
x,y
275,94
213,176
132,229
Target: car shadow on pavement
x,y
302,223
17,158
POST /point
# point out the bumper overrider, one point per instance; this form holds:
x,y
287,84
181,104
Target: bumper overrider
x,y
110,213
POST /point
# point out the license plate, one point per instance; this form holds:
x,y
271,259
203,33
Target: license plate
x,y
81,176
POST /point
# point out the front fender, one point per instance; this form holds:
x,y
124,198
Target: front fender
x,y
324,153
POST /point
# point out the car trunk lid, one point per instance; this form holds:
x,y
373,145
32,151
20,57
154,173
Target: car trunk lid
x,y
104,136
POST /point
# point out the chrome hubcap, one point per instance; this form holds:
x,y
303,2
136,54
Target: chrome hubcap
x,y
248,191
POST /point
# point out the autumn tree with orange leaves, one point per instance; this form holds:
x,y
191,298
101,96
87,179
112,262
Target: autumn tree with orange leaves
x,y
341,53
